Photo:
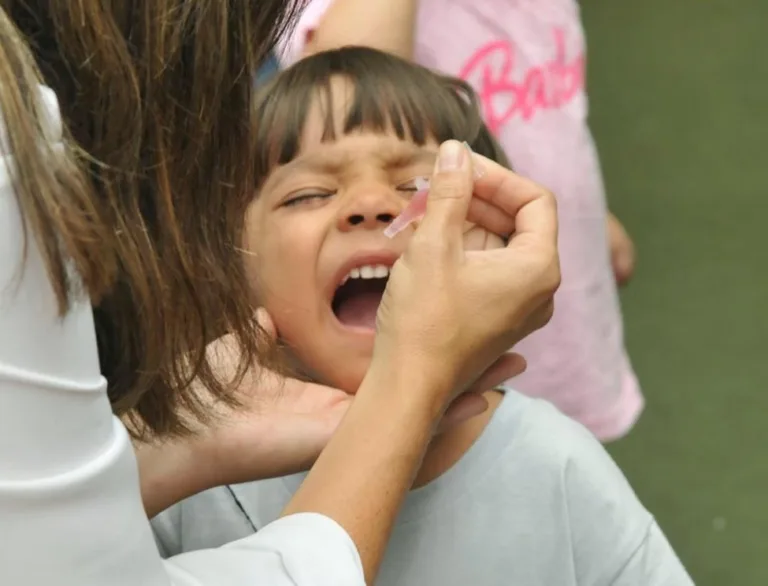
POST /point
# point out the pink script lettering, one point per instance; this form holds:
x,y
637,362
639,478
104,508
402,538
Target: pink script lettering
x,y
548,86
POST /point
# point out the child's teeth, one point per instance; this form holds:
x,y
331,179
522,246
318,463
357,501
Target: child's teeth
x,y
368,272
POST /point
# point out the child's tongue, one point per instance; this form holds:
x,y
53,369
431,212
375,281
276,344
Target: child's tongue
x,y
360,309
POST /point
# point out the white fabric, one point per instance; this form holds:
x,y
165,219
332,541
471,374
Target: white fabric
x,y
536,501
70,506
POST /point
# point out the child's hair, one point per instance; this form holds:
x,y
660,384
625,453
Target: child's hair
x,y
159,94
389,94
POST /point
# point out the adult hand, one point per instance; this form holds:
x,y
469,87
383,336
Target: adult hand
x,y
280,428
622,250
448,313
446,316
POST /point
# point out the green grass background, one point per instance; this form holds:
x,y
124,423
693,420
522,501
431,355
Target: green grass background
x,y
679,108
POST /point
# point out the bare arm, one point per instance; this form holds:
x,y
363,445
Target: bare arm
x,y
281,427
385,461
387,25
167,474
416,368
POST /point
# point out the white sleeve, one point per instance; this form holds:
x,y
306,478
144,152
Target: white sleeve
x,y
70,504
291,47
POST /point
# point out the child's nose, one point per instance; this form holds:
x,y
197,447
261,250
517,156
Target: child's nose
x,y
372,210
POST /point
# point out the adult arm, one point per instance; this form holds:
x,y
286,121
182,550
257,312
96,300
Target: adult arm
x,y
280,427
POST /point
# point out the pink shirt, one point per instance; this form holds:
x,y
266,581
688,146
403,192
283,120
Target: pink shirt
x,y
526,60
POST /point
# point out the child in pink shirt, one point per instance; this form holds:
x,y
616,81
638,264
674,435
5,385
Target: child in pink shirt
x,y
526,60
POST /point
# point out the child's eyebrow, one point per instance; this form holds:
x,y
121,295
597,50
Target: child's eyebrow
x,y
396,160
314,165
414,157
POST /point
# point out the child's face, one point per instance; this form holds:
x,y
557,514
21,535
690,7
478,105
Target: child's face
x,y
319,259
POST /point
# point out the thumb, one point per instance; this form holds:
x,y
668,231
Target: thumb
x,y
450,193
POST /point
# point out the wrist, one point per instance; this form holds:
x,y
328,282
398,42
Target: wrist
x,y
410,386
375,455
172,470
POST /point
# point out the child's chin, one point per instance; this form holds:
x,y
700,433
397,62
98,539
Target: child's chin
x,y
345,375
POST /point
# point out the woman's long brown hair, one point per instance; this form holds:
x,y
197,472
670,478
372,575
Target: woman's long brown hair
x,y
158,94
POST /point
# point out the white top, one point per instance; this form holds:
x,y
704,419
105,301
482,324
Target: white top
x,y
536,501
70,506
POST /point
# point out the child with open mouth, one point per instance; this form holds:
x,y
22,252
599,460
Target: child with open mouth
x,y
518,495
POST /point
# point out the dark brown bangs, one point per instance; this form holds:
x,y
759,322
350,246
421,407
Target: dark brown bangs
x,y
389,94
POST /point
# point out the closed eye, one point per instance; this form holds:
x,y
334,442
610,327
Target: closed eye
x,y
306,197
411,186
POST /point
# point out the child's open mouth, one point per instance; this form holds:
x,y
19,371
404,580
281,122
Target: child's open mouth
x,y
357,299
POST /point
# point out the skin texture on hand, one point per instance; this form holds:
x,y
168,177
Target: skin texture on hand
x,y
489,280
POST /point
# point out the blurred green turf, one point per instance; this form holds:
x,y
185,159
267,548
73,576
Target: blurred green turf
x,y
679,108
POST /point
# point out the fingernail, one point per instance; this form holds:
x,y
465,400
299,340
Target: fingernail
x,y
451,157
477,167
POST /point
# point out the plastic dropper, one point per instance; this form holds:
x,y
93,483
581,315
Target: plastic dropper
x,y
413,212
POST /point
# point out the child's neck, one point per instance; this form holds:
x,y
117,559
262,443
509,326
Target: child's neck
x,y
447,448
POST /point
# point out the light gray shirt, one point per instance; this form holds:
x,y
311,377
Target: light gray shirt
x,y
536,501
